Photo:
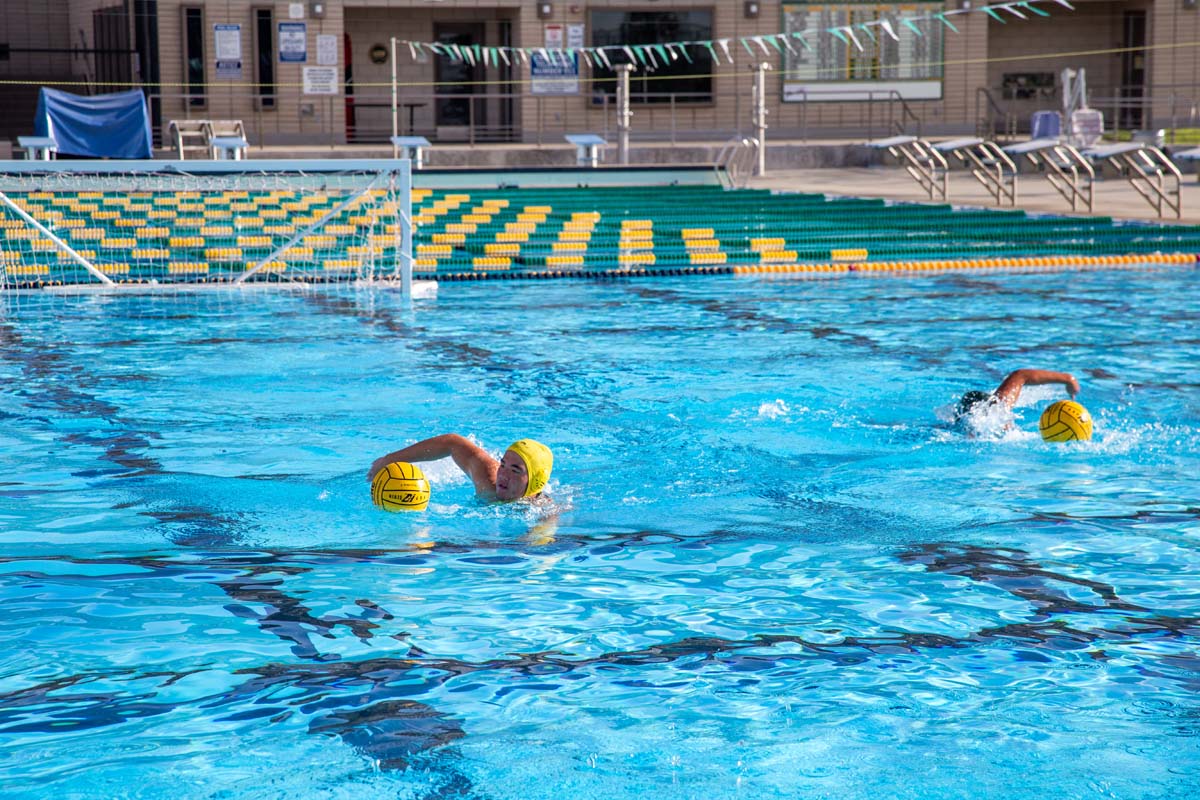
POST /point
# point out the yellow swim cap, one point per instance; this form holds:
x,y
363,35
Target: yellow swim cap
x,y
538,463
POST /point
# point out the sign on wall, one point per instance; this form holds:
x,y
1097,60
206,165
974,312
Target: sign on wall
x,y
327,49
293,42
852,66
320,80
228,50
552,71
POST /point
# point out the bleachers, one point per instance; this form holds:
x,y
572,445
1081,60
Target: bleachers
x,y
461,234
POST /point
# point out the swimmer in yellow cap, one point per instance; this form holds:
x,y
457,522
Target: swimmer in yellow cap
x,y
522,472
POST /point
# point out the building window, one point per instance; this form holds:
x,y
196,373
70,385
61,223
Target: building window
x,y
687,82
193,55
264,56
835,68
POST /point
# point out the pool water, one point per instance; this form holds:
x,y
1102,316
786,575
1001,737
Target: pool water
x,y
769,569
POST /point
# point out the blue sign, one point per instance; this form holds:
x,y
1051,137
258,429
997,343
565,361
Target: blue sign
x,y
558,74
293,42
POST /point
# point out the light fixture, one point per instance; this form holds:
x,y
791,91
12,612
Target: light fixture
x,y
751,9
545,10
316,9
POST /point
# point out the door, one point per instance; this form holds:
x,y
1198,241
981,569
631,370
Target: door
x,y
458,77
1133,70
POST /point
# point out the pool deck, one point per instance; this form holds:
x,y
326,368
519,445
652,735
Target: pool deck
x,y
1114,197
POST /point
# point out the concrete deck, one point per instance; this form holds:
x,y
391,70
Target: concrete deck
x,y
1114,197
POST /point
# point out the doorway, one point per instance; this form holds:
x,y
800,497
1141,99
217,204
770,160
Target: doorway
x,y
458,77
1133,71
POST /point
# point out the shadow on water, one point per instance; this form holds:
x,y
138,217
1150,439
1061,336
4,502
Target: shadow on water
x,y
375,705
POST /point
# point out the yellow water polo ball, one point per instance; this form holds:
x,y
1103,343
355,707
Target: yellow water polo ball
x,y
400,486
1065,421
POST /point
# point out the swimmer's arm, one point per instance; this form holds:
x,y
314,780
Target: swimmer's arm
x,y
470,458
1010,389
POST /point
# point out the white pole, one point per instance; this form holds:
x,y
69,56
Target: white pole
x,y
760,116
395,98
623,112
83,262
406,239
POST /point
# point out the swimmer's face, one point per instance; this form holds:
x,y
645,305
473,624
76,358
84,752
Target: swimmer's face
x,y
511,478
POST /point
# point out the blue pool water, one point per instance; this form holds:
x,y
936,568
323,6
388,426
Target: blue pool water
x,y
773,572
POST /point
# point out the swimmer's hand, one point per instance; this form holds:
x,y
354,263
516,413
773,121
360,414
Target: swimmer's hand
x,y
1072,386
377,465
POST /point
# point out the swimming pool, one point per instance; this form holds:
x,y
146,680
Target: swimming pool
x,y
775,572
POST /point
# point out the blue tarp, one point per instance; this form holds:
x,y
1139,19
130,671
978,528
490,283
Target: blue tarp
x,y
103,126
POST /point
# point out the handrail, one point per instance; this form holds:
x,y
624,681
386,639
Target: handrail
x,y
985,126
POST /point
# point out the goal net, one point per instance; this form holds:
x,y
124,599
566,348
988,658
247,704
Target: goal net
x,y
222,222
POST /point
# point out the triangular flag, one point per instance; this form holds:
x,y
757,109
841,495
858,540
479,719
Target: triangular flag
x,y
725,46
662,51
908,23
758,40
412,49
716,59
1012,10
788,44
747,46
1065,4
774,42
684,51
839,35
868,32
604,57
486,55
504,54
946,22
888,29
800,36
853,38
991,13
632,58
1034,9
457,52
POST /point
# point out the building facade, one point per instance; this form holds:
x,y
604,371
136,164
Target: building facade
x,y
321,72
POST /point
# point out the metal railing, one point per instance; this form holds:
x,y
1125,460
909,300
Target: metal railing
x,y
1170,108
512,116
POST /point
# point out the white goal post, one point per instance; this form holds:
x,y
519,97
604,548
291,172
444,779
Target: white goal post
x,y
136,223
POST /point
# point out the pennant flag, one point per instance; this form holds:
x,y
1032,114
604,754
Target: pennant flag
x,y
747,46
774,43
888,29
946,22
629,53
800,35
1034,9
868,32
839,35
853,38
504,54
725,46
412,49
758,40
604,56
991,12
1012,10
716,59
908,23
684,52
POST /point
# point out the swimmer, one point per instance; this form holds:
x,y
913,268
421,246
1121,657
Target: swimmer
x,y
522,472
1009,390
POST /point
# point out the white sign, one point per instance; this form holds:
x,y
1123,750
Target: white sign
x,y
575,37
557,75
295,10
554,37
327,49
320,80
293,42
228,50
